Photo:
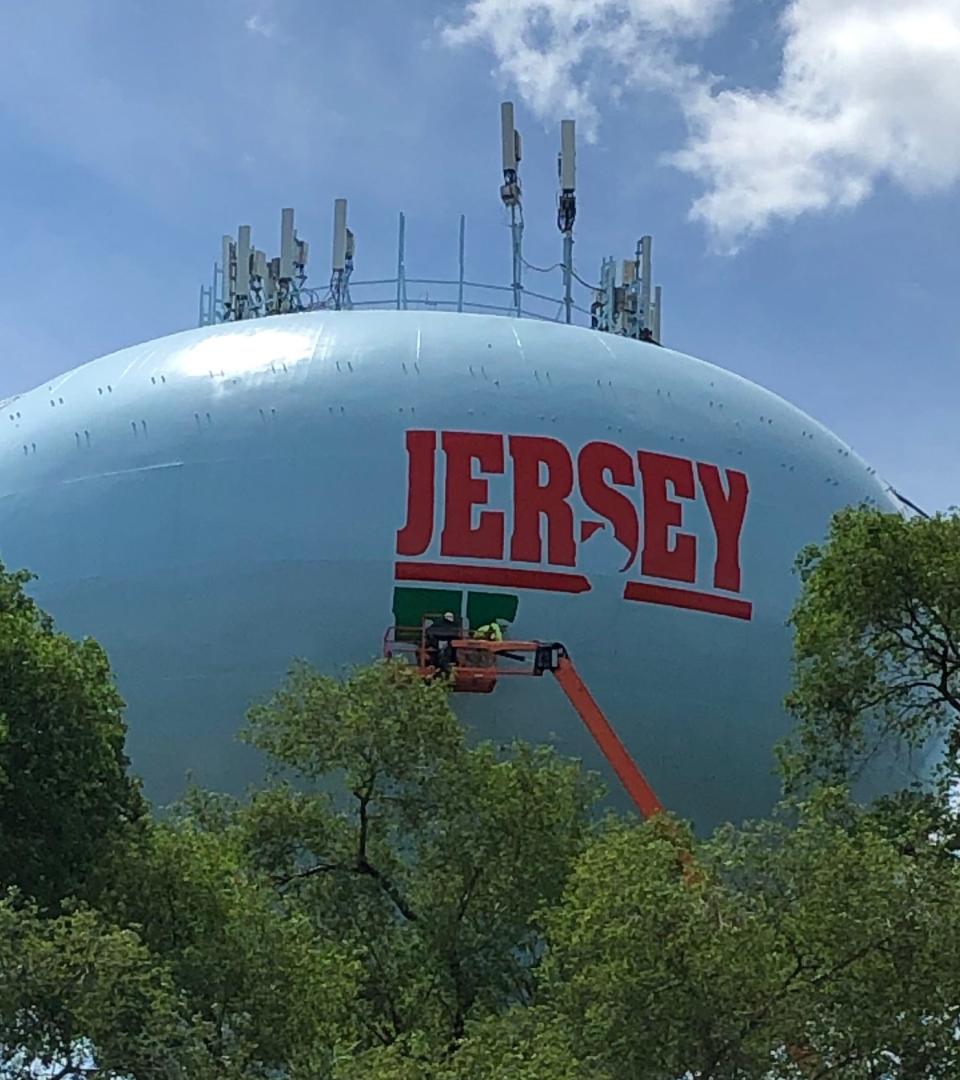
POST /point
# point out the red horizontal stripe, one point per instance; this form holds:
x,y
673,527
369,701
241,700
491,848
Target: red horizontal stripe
x,y
688,598
507,576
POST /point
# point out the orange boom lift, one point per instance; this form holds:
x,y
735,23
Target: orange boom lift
x,y
476,665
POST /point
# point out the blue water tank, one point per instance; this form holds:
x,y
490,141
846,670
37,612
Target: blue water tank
x,y
216,503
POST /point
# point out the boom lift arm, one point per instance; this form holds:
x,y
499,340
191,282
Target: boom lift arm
x,y
629,774
475,668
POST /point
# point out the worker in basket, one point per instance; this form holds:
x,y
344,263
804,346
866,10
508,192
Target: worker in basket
x,y
440,635
492,631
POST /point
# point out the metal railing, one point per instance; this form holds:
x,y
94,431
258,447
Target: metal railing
x,y
607,306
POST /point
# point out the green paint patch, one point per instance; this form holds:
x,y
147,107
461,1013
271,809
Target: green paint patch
x,y
411,605
484,607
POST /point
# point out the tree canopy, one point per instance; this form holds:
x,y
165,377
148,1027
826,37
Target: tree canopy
x,y
65,793
877,645
396,902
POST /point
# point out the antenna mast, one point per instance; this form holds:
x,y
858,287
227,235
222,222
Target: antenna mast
x,y
342,256
567,208
510,194
248,284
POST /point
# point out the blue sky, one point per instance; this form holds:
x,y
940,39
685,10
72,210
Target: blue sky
x,y
796,162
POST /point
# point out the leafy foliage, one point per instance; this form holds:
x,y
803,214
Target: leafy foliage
x,y
805,947
79,997
65,795
268,993
434,865
398,904
877,643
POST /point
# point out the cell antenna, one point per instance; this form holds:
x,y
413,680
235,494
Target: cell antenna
x,y
243,267
646,282
229,256
568,155
287,244
510,142
343,247
567,208
249,283
510,195
339,235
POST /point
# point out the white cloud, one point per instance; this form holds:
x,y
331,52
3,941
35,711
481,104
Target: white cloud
x,y
564,55
256,24
868,89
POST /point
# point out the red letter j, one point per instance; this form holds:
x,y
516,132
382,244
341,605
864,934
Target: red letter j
x,y
415,537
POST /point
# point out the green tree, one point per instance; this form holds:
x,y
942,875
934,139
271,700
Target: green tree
x,y
65,794
271,996
80,998
805,946
522,1043
877,645
431,864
